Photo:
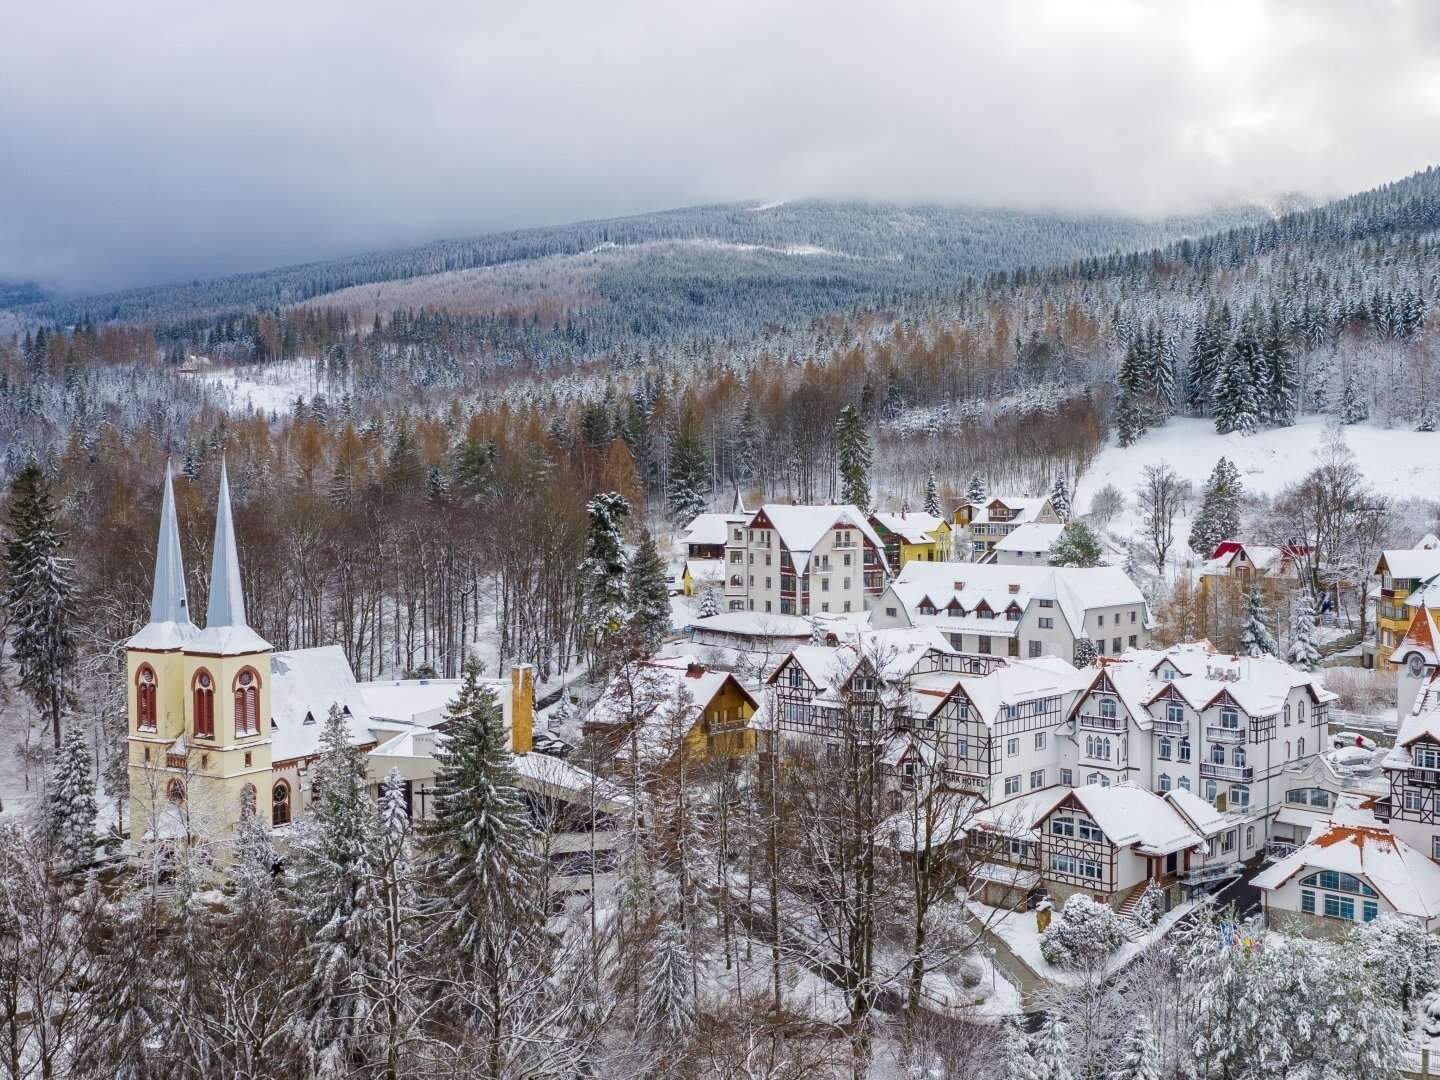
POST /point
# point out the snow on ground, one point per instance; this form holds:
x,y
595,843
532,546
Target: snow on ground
x,y
1396,462
263,387
1018,930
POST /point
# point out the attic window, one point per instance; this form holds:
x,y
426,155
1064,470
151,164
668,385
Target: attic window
x,y
309,718
1014,589
959,586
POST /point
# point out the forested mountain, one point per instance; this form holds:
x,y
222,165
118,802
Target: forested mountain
x,y
702,269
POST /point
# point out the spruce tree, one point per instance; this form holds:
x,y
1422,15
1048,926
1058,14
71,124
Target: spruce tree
x,y
932,496
668,1007
1060,497
1354,406
70,804
709,601
477,853
1015,1061
1279,364
331,892
648,590
1139,1054
852,449
1219,516
603,571
975,492
1051,1049
1302,652
1164,381
1132,414
1077,546
39,595
1212,342
1237,405
1255,636
687,494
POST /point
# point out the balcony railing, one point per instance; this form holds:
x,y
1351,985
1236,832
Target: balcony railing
x,y
1170,727
1241,773
1102,723
1225,734
1425,777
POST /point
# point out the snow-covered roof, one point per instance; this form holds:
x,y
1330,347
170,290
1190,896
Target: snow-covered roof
x,y
1417,563
712,530
800,528
651,689
705,569
1407,880
1074,590
420,701
1199,814
1035,536
1019,681
1128,815
913,527
304,683
1268,559
1023,508
1259,685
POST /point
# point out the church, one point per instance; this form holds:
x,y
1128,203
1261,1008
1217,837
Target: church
x,y
223,726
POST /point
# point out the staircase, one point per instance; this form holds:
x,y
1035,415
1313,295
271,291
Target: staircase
x,y
1133,930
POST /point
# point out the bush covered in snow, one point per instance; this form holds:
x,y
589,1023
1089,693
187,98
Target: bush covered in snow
x,y
1401,957
1151,906
1083,934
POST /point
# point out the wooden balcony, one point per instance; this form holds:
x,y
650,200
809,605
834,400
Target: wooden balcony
x,y
1423,777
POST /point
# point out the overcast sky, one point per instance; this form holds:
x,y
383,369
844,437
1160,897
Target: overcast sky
x,y
160,140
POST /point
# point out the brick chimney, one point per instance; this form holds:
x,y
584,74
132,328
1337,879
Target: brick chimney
x,y
522,708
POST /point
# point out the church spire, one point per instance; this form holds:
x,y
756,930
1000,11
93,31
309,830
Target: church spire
x,y
227,597
168,603
169,626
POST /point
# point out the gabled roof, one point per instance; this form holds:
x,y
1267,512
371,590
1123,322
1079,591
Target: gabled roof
x,y
1023,508
913,527
1404,877
1074,590
304,683
800,528
1032,536
1128,815
712,530
1417,563
656,686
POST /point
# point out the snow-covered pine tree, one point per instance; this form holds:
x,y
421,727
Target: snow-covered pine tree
x,y
604,567
1302,652
1354,404
1083,935
1399,956
1139,1057
688,490
477,861
648,589
975,491
1163,377
709,601
1060,497
852,452
252,872
1237,405
437,484
39,595
1212,342
1051,1049
1085,652
395,1016
70,804
1132,415
668,1005
1077,546
1219,516
1255,636
1280,378
1014,1061
932,496
332,895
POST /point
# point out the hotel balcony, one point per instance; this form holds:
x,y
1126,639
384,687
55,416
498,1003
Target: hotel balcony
x,y
1102,723
1225,734
1239,773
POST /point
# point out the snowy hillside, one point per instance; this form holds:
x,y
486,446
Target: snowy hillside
x,y
1396,462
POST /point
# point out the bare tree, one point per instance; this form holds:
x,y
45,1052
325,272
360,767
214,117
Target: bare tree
x,y
1161,496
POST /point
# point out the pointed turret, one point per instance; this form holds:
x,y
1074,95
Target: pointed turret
x,y
169,626
226,631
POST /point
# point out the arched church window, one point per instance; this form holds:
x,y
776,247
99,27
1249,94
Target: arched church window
x,y
247,703
145,698
204,705
280,803
175,791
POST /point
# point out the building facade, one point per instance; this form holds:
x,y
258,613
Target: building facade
x,y
804,560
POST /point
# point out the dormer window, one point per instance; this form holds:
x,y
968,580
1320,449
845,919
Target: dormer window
x,y
1426,757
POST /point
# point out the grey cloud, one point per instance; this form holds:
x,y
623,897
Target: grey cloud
x,y
165,140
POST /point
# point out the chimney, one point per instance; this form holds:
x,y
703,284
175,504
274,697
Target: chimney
x,y
522,708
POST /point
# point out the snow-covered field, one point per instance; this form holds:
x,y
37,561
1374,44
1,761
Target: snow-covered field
x,y
1396,462
266,388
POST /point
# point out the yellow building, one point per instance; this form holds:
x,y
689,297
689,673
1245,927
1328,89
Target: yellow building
x,y
1401,572
199,700
912,536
